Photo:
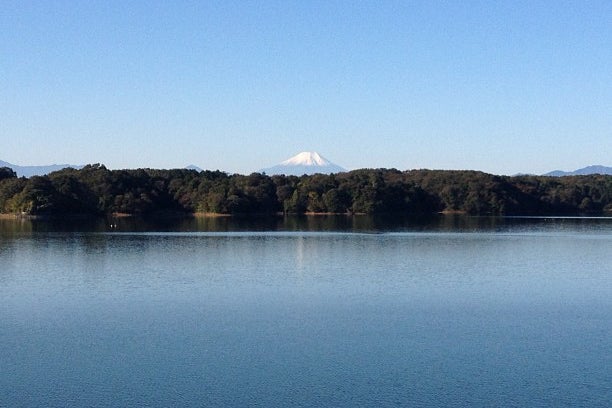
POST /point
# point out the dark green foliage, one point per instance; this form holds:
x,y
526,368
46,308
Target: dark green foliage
x,y
95,190
7,173
10,197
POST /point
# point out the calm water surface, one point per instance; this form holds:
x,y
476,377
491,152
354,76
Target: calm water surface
x,y
319,311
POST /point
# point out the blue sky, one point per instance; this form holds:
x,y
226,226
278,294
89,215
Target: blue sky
x,y
502,87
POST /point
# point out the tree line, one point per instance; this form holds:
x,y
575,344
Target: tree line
x,y
96,190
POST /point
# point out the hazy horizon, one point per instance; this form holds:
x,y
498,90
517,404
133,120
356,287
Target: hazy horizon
x,y
500,88
265,169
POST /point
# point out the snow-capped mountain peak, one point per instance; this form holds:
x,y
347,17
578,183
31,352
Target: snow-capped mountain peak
x,y
306,159
304,163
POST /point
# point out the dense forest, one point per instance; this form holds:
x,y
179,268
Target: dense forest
x,y
96,190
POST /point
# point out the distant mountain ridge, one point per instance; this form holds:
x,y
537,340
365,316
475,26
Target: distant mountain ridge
x,y
304,163
193,167
595,169
29,171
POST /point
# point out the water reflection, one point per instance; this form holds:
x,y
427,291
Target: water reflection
x,y
318,223
422,315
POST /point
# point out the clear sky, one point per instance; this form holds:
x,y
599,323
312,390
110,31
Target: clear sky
x,y
503,87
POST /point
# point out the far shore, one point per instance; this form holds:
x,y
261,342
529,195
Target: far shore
x,y
16,216
453,212
209,215
332,213
165,215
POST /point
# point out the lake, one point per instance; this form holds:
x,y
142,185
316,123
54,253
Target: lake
x,y
307,311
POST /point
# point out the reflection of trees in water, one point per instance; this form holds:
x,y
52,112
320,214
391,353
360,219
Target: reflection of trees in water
x,y
19,227
15,226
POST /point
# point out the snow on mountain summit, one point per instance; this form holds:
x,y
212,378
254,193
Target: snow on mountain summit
x,y
304,163
306,159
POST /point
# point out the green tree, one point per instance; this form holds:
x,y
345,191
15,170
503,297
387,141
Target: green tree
x,y
7,173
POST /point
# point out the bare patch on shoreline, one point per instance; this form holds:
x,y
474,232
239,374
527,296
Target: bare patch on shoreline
x,y
210,215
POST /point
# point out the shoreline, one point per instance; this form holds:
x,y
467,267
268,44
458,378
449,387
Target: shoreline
x,y
162,215
208,215
13,216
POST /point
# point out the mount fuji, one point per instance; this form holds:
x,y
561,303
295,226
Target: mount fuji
x,y
304,163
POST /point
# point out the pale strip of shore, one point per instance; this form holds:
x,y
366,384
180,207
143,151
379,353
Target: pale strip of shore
x,y
121,215
210,215
309,213
16,216
453,212
348,214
